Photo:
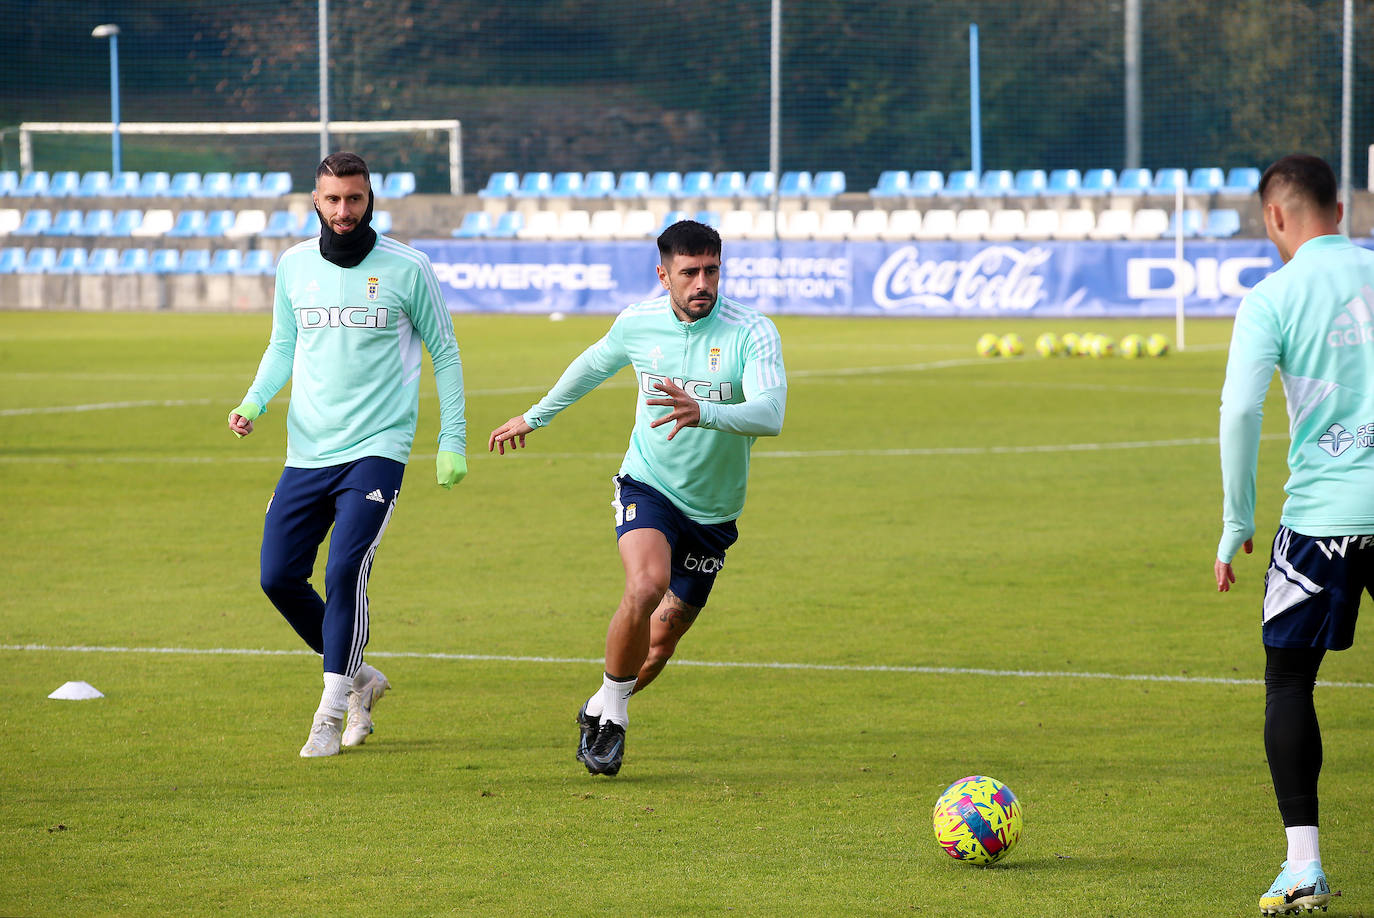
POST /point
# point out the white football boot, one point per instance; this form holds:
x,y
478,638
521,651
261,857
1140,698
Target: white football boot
x,y
324,738
369,685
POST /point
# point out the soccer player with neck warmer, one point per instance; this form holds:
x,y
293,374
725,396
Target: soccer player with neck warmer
x,y
351,311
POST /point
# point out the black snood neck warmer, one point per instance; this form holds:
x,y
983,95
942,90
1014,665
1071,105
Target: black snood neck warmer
x,y
349,249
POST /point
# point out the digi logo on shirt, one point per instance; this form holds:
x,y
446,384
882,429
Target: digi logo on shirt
x,y
341,317
701,389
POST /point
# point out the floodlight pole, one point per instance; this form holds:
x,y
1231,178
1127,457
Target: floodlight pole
x,y
324,79
774,105
111,31
1347,83
974,111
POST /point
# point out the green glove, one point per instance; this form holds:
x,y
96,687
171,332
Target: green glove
x,y
451,468
248,410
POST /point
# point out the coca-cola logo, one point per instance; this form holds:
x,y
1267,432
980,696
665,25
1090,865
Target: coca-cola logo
x,y
999,278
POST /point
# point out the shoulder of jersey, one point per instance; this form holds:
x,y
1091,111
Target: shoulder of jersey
x,y
645,308
736,313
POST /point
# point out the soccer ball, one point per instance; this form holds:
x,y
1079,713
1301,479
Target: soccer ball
x,y
1070,343
1156,345
1132,346
987,345
1103,346
1011,346
977,820
1047,345
1085,344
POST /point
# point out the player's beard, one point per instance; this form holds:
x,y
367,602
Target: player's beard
x,y
694,309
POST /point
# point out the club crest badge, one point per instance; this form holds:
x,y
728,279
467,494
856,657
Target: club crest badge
x,y
714,360
373,285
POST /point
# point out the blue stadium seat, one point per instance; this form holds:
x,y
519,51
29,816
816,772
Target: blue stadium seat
x,y
827,184
309,225
1168,181
671,217
758,185
381,221
1242,180
697,184
709,217
9,181
960,184
94,185
1206,180
476,224
508,224
97,223
32,185
1133,181
534,185
1222,223
1031,183
257,261
193,261
125,222
217,222
184,185
101,261
926,183
665,184
225,261
64,184
11,260
274,184
131,261
894,183
123,185
794,184
1064,181
376,180
500,185
1097,182
153,185
188,223
727,184
566,185
35,223
1191,220
246,184
397,185
164,261
216,185
995,183
69,261
40,260
631,185
65,223
280,224
598,184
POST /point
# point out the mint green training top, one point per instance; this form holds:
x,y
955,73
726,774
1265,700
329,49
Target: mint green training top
x,y
730,361
349,339
1313,319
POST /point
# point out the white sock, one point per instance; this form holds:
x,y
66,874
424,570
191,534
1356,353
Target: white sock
x,y
594,705
334,699
1302,847
615,699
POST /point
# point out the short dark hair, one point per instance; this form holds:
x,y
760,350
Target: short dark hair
x,y
1309,177
688,237
343,164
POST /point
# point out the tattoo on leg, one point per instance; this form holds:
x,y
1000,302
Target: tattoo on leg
x,y
676,613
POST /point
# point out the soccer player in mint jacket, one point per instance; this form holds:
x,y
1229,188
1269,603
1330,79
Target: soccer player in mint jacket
x,y
711,380
1313,319
351,311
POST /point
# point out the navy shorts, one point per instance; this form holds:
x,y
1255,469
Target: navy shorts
x,y
1312,589
698,549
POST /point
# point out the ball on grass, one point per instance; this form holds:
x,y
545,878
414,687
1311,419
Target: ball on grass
x,y
987,345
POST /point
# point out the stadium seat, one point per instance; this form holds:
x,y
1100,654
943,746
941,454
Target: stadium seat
x,y
123,185
131,261
219,222
11,260
500,185
274,184
902,225
541,224
64,184
1168,181
1077,223
760,184
164,261
10,218
216,185
32,185
734,224
94,185
1241,180
638,224
765,227
246,184
1149,223
280,225
827,184
669,218
996,183
727,185
9,181
309,224
894,183
598,184
794,184
101,261
572,224
257,261
868,225
1222,223
97,223
125,222
534,185
35,223
971,223
960,184
153,185
926,183
1097,182
184,185
1030,183
665,184
247,223
225,261
604,224
382,222
1006,224
1206,180
193,261
1191,220
1114,223
937,224
1063,181
475,225
566,185
188,223
1041,223
631,185
800,225
65,223
836,223
709,218
697,184
69,261
397,185
40,260
1133,181
375,181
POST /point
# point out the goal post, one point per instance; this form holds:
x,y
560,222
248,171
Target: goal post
x,y
452,127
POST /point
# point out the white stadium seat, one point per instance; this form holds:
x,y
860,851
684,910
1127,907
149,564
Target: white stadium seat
x,y
801,224
1112,223
901,225
1075,224
638,224
155,223
1005,224
10,218
937,224
1041,223
736,224
540,224
1149,223
605,224
573,224
247,223
836,224
971,223
868,224
763,226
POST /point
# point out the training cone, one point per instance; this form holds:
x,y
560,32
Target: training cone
x,y
76,691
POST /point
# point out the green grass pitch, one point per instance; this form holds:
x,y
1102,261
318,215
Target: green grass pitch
x,y
954,557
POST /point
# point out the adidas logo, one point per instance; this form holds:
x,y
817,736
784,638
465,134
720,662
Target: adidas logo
x,y
312,287
377,496
1355,325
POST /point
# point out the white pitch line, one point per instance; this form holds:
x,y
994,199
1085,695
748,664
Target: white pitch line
x,y
714,664
105,406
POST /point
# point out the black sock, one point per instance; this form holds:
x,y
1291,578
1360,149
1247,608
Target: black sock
x,y
1292,738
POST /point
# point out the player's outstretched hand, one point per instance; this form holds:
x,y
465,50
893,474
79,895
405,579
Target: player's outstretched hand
x,y
686,412
241,419
1225,574
512,432
450,468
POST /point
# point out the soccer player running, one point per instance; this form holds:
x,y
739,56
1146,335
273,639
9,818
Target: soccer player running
x,y
1313,319
710,375
351,310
